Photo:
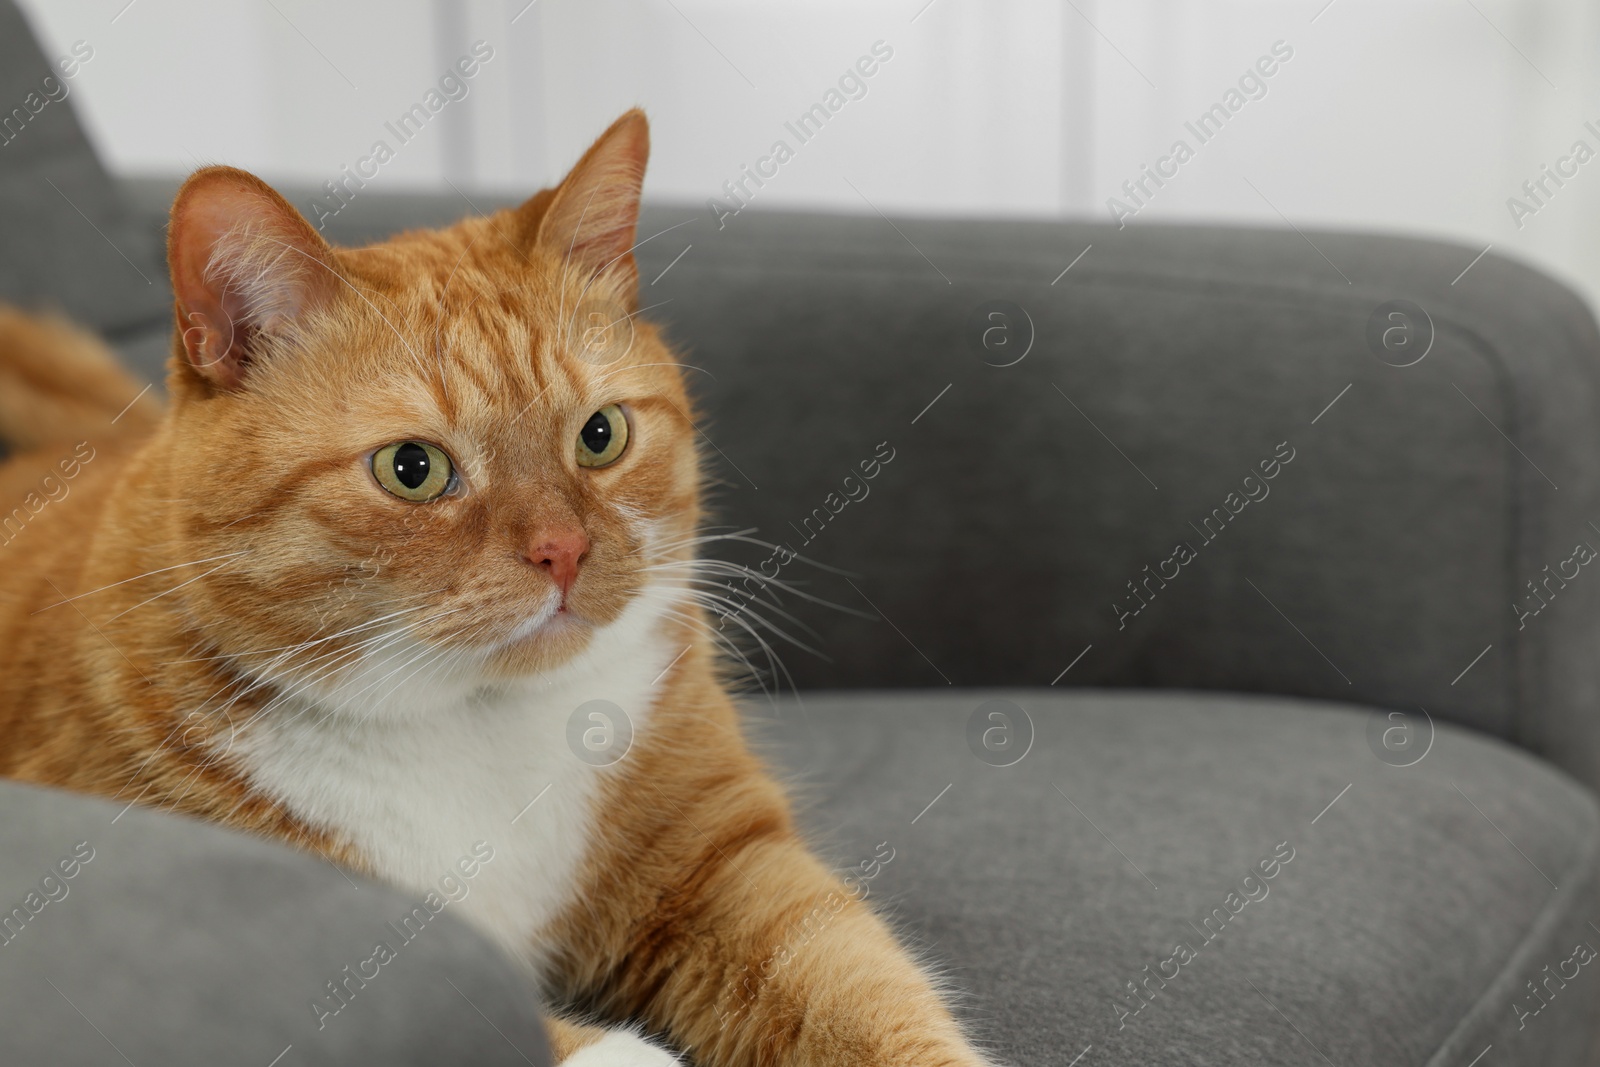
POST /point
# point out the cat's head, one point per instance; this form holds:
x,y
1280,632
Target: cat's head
x,y
459,451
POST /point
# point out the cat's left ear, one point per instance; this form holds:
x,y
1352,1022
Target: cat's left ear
x,y
591,220
245,265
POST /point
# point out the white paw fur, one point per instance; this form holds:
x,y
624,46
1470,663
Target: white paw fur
x,y
620,1048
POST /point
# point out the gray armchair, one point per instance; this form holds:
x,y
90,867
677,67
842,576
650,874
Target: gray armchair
x,y
1180,649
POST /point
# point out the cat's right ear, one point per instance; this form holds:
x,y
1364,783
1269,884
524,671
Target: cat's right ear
x,y
245,264
590,218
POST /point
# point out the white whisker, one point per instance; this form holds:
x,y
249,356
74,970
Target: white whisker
x,y
136,577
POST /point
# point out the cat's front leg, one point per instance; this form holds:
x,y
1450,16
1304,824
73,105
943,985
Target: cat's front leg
x,y
747,952
810,976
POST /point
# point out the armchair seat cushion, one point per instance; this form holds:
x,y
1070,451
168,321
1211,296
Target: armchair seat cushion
x,y
1276,892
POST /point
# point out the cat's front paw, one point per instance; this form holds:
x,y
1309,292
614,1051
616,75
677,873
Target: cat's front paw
x,y
620,1048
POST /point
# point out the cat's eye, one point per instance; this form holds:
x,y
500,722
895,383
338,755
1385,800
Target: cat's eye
x,y
603,438
413,470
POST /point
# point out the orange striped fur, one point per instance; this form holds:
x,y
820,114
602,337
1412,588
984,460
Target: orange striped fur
x,y
225,614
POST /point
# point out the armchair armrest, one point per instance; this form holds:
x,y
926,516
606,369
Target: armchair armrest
x,y
177,942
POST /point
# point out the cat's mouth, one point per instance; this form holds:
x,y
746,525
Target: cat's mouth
x,y
549,621
542,641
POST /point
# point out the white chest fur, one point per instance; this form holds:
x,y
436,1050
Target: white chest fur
x,y
462,764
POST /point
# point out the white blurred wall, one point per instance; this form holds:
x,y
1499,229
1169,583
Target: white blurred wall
x,y
1421,116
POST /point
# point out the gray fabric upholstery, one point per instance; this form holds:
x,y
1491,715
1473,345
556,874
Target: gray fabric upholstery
x,y
1403,930
178,943
1385,559
70,243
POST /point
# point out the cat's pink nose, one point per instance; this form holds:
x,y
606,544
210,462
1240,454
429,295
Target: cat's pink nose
x,y
560,553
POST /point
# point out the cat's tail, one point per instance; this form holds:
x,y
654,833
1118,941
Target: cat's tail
x,y
59,383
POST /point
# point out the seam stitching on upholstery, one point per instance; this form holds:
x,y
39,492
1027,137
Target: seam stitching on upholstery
x,y
1542,928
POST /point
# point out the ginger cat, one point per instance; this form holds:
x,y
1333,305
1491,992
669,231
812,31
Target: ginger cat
x,y
401,522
